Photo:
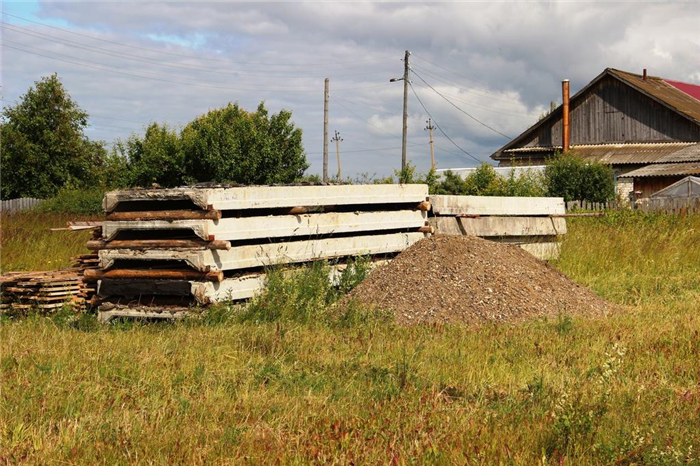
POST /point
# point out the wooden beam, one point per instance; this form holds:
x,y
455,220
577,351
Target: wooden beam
x,y
169,274
166,215
97,245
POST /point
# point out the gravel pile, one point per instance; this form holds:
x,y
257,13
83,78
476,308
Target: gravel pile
x,y
466,279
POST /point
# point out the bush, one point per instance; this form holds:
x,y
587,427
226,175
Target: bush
x,y
75,201
575,179
484,181
305,294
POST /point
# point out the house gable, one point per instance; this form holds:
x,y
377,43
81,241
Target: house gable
x,y
613,109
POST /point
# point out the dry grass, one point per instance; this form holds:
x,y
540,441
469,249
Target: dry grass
x,y
27,244
578,391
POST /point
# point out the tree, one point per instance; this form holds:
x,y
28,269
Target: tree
x,y
233,145
575,179
43,144
154,158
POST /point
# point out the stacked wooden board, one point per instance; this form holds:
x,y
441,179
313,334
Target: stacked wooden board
x,y
166,249
45,291
533,223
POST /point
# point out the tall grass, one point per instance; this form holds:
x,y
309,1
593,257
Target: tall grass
x,y
27,244
277,388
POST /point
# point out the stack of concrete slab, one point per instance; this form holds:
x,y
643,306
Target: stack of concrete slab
x,y
533,223
169,248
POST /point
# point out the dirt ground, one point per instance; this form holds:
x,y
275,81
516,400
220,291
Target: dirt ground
x,y
470,280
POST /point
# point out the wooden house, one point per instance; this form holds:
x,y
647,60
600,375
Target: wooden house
x,y
647,128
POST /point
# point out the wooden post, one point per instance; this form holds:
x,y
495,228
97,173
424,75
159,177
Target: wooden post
x,y
337,140
325,132
430,129
404,137
565,116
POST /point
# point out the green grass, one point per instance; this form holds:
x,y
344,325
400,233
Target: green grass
x,y
279,388
27,244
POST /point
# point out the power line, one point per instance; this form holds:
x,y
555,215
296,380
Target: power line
x,y
188,56
117,71
438,126
152,61
458,108
370,150
453,72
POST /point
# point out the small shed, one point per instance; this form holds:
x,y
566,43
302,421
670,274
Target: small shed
x,y
687,187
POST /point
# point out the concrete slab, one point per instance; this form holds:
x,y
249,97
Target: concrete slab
x,y
494,205
259,197
277,226
242,257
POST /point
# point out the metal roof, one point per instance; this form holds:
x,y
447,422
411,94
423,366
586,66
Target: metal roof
x,y
665,169
677,95
619,154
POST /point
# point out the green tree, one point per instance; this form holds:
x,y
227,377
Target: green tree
x,y
231,144
43,145
575,179
156,157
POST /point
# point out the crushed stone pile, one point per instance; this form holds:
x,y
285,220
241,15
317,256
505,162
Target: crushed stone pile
x,y
465,279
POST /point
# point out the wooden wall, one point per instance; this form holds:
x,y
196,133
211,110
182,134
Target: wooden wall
x,y
613,112
649,185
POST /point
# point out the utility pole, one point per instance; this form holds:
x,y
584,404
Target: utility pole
x,y
405,107
337,140
405,111
430,129
325,133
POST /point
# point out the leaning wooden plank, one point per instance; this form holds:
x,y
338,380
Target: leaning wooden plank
x,y
494,205
543,251
265,197
499,227
261,255
244,228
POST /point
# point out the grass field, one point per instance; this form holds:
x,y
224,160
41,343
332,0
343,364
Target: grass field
x,y
619,390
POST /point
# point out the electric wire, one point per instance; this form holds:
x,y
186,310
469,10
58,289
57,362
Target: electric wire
x,y
91,65
189,56
438,126
460,109
69,43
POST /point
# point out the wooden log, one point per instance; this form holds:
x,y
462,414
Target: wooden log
x,y
97,245
427,229
167,274
424,206
166,215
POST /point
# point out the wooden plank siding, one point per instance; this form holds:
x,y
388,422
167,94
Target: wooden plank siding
x,y
613,112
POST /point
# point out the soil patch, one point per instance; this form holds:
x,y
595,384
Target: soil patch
x,y
465,279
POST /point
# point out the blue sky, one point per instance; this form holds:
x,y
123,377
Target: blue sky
x,y
131,63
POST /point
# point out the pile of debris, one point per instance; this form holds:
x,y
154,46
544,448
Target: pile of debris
x,y
164,250
46,291
467,279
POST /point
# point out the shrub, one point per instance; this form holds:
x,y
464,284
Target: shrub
x,y
75,201
575,179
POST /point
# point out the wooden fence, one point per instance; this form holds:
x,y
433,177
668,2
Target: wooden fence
x,y
682,205
23,203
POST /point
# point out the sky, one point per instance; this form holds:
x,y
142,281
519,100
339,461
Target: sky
x,y
484,72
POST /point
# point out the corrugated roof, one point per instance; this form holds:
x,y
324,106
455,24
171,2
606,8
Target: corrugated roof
x,y
665,169
671,95
618,154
